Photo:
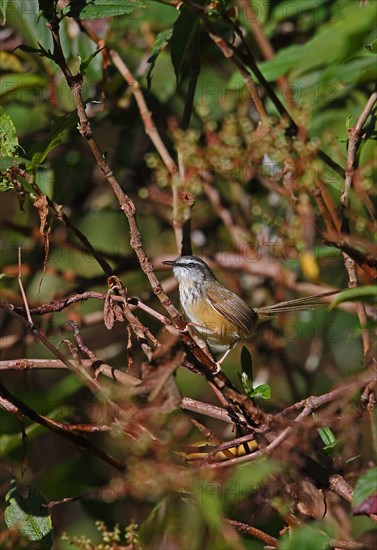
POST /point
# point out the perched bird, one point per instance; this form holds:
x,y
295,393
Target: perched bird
x,y
220,317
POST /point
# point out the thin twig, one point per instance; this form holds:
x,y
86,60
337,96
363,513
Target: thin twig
x,y
254,532
22,287
105,369
59,305
59,429
206,409
224,46
354,135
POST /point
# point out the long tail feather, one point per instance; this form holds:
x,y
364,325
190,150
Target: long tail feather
x,y
298,304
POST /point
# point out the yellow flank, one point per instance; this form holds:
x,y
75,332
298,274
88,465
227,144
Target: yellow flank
x,y
210,325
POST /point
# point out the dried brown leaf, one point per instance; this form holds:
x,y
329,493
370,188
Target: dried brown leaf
x,y
108,312
41,204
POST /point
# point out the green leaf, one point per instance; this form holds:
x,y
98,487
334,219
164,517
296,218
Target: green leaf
x,y
28,516
85,64
368,293
349,122
247,362
183,33
263,390
282,63
247,384
327,437
305,538
41,51
8,136
160,43
366,486
40,150
96,9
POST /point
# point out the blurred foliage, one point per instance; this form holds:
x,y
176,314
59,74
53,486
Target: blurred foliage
x,y
323,70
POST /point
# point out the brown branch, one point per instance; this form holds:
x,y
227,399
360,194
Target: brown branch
x,y
125,379
368,399
105,369
254,532
77,367
59,429
320,400
367,262
350,266
354,135
219,413
228,52
84,375
59,305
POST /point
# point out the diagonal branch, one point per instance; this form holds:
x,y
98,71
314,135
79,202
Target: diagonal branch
x,y
18,406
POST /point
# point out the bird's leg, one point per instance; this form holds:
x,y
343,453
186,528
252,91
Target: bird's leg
x,y
220,361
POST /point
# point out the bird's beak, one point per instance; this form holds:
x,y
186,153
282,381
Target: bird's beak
x,y
169,262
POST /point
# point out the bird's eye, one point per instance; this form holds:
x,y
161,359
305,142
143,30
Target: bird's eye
x,y
191,265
